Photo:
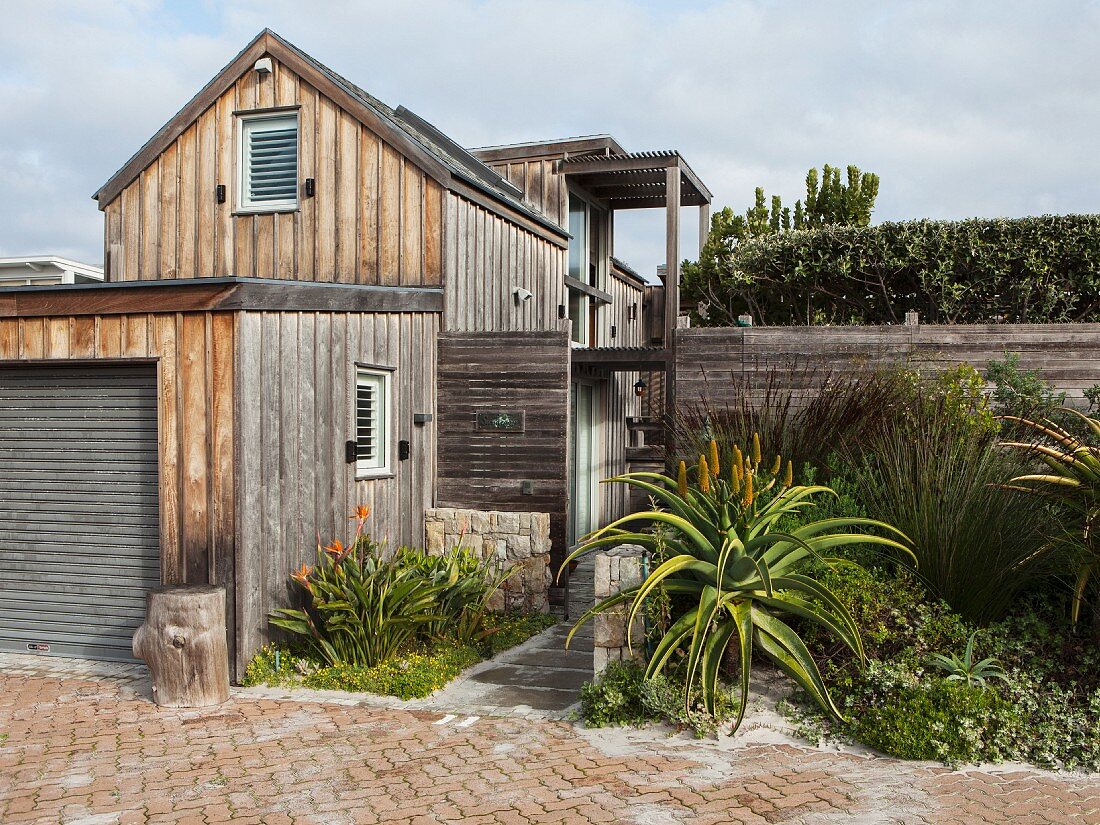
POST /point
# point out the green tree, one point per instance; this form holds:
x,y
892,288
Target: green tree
x,y
829,201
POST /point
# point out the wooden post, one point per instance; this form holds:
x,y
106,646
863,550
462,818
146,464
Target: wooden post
x,y
672,251
704,226
183,643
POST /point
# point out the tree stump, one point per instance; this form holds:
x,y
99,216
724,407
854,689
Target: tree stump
x,y
183,643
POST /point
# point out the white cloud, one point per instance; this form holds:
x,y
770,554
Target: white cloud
x,y
982,108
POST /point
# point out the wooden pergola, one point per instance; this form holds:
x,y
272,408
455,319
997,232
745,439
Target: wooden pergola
x,y
648,180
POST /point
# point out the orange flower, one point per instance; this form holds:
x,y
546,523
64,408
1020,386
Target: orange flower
x,y
362,513
301,575
336,549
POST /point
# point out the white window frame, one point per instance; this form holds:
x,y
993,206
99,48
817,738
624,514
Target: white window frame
x,y
380,465
247,124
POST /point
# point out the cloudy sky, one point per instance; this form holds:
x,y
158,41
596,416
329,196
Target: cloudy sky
x,y
963,108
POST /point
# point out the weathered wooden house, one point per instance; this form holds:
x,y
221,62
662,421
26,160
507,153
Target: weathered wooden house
x,y
312,301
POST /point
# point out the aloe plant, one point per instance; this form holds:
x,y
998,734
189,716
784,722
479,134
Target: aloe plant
x,y
966,669
1073,479
740,575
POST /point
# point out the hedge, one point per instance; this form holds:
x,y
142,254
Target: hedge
x,y
1027,270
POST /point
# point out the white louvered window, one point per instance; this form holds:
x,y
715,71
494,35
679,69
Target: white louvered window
x,y
372,421
269,163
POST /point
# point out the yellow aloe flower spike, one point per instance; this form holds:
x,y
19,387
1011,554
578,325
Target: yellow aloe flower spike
x,y
747,498
715,467
736,476
756,449
738,456
788,477
777,465
704,474
682,479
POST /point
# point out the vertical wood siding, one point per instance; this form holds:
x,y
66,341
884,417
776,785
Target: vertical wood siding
x,y
295,407
195,357
375,219
542,189
484,259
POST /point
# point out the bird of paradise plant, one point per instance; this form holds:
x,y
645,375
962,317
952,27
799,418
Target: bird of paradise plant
x,y
1073,479
360,607
738,573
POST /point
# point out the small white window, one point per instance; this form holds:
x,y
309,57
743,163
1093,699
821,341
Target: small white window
x,y
372,422
269,163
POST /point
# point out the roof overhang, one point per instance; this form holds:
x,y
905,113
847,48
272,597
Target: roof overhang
x,y
562,147
213,294
637,180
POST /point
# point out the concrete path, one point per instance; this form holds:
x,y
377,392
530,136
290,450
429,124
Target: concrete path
x,y
540,674
92,749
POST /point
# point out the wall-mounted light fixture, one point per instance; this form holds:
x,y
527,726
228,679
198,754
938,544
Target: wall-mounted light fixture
x,y
614,330
311,188
219,193
522,295
264,66
640,387
634,311
561,311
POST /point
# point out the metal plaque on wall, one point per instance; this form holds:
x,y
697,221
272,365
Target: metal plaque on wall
x,y
501,421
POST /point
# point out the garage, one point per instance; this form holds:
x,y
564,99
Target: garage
x,y
79,523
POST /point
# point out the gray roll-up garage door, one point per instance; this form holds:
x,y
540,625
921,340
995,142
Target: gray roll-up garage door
x,y
79,524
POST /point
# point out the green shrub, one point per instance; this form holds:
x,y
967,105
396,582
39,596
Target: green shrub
x,y
506,630
623,696
1027,270
894,711
615,698
411,675
940,481
466,584
1046,711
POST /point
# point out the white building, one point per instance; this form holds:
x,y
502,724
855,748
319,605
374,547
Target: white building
x,y
44,270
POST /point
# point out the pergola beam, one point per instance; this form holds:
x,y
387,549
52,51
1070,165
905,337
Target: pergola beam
x,y
652,202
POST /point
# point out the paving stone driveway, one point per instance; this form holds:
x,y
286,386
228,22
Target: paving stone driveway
x,y
92,750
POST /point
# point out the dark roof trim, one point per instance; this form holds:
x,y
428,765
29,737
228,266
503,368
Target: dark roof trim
x,y
584,145
626,272
479,169
214,294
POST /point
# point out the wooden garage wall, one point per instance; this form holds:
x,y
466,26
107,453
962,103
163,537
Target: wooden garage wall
x,y
376,218
295,408
195,357
485,470
485,257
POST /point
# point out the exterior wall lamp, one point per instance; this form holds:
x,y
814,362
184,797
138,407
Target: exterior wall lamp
x,y
640,387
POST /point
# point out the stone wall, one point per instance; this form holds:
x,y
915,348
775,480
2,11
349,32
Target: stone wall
x,y
616,569
510,538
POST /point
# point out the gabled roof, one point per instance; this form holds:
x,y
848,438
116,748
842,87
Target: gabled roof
x,y
437,155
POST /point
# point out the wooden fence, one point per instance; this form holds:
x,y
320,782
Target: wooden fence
x,y
716,362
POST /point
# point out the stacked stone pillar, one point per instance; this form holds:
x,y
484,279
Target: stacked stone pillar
x,y
617,569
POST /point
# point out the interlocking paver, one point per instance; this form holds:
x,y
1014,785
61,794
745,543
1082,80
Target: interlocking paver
x,y
89,746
